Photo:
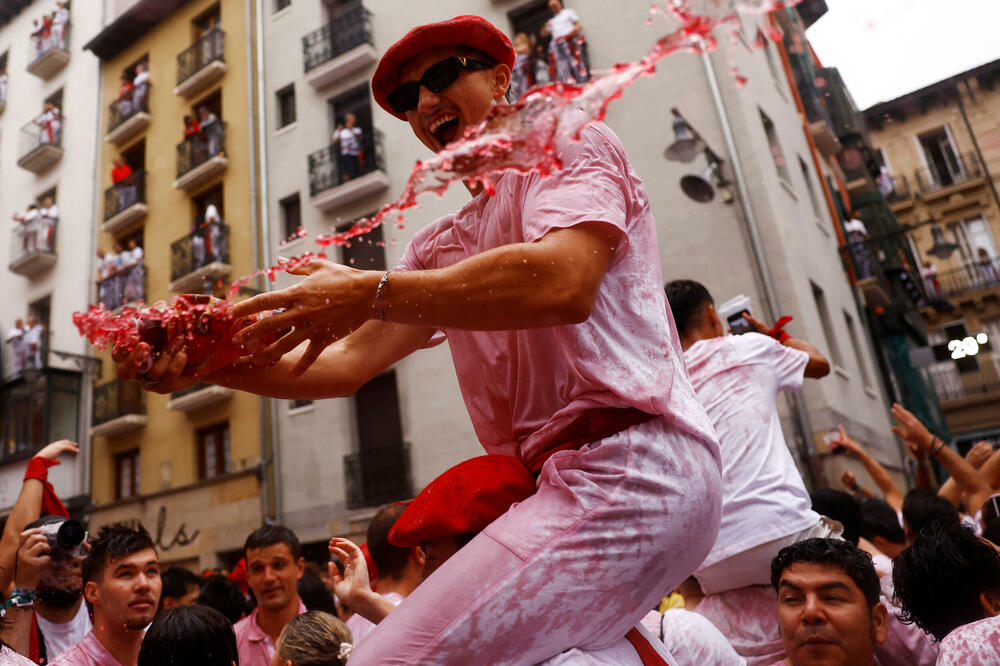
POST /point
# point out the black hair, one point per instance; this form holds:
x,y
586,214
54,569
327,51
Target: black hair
x,y
315,594
114,542
687,300
177,582
225,596
269,535
854,562
991,531
189,635
878,519
390,561
921,507
939,578
839,506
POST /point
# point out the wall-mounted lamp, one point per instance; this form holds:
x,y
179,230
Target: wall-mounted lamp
x,y
941,249
687,143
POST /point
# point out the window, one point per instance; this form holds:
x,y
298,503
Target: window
x,y
772,140
807,177
824,316
281,4
768,48
944,167
286,105
366,252
859,349
971,235
127,474
213,451
376,405
291,215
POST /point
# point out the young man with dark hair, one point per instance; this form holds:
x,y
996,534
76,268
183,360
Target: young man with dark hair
x,y
121,576
181,587
829,611
948,583
189,635
880,526
274,566
225,596
921,507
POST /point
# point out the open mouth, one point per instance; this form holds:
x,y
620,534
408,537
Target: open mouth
x,y
444,128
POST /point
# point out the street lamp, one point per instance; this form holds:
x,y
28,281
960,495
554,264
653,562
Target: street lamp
x,y
941,249
687,143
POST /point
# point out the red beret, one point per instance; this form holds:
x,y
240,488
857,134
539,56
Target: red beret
x,y
472,31
463,500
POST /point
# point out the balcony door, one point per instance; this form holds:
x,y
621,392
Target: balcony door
x,y
337,8
941,157
971,236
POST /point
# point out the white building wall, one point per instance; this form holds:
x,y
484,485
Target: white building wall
x,y
69,283
707,242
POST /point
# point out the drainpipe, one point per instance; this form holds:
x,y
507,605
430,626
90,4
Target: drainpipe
x,y
975,142
796,400
270,473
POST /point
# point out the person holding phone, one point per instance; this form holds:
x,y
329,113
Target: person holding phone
x,y
765,504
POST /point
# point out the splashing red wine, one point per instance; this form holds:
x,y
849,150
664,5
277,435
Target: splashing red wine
x,y
519,137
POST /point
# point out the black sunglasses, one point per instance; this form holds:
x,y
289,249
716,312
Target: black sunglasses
x,y
437,77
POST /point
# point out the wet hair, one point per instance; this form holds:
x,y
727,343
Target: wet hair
x,y
269,535
225,596
177,582
315,594
390,561
939,578
878,519
189,635
991,531
921,507
839,506
114,542
687,300
854,562
313,639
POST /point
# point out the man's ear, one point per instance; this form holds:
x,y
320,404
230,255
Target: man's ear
x,y
990,601
880,623
712,318
301,565
91,592
419,555
500,82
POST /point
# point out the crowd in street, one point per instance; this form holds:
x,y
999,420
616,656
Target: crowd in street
x,y
637,504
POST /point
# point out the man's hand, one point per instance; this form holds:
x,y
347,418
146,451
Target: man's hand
x,y
160,375
844,442
354,586
760,326
57,448
979,454
847,478
912,430
32,558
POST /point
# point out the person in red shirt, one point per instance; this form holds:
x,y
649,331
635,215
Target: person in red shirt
x,y
123,179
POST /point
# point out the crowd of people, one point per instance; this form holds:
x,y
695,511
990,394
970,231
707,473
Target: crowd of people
x,y
133,93
204,134
26,339
49,32
121,274
35,228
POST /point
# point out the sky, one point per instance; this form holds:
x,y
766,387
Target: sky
x,y
887,48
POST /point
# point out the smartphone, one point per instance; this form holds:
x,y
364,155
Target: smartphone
x,y
739,324
735,311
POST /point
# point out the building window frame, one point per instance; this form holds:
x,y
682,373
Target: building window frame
x,y
127,474
213,450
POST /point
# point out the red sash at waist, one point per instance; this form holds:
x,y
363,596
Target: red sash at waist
x,y
590,426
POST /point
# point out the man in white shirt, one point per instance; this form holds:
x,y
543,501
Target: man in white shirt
x,y
765,505
50,123
15,338
566,57
348,137
60,19
134,272
140,86
33,343
48,216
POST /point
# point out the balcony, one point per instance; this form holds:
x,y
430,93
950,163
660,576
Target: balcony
x,y
330,187
126,286
119,407
201,64
37,406
377,476
200,257
940,177
971,277
49,54
339,48
895,189
201,157
125,203
41,144
128,116
33,247
839,104
197,396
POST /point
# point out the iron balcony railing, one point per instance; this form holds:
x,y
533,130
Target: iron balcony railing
x,y
40,132
894,188
125,193
203,146
35,237
208,244
203,52
377,476
37,406
969,277
350,30
325,166
115,399
961,168
42,44
952,385
126,106
128,285
839,103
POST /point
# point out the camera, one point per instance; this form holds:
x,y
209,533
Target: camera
x,y
66,539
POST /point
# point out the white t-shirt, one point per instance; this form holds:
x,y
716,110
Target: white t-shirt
x,y
692,638
10,658
360,627
350,140
33,336
50,213
563,23
737,378
140,79
61,637
16,340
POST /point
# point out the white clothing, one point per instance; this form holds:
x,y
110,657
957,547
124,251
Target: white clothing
x,y
61,637
973,644
10,658
737,378
360,627
18,350
60,16
692,638
141,79
33,345
855,226
28,216
108,264
350,140
563,23
51,213
212,214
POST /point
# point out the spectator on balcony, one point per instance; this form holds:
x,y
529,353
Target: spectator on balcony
x,y
930,277
51,124
27,231
48,217
60,19
567,47
123,178
33,335
215,234
210,42
522,76
198,228
884,182
857,240
191,128
987,268
105,289
140,86
133,272
42,34
348,136
211,131
125,89
18,351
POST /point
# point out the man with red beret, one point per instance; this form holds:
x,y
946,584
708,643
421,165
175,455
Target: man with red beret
x,y
549,291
